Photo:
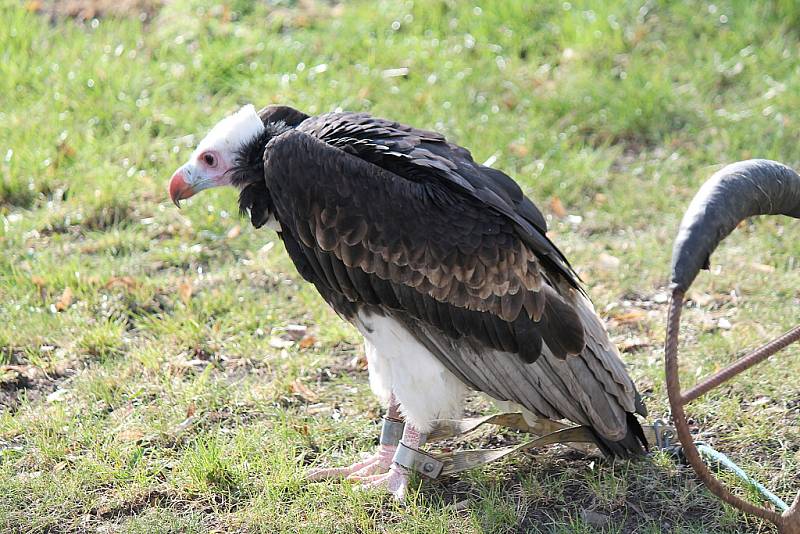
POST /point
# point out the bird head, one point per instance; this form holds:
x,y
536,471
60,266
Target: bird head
x,y
215,160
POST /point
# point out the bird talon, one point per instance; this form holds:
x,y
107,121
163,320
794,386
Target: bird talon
x,y
367,471
395,481
376,463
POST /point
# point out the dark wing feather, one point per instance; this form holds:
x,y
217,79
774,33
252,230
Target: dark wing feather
x,y
421,247
423,155
286,114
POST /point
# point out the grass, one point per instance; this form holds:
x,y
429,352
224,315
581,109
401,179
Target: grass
x,y
158,400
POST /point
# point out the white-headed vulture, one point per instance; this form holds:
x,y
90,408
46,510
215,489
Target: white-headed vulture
x,y
441,263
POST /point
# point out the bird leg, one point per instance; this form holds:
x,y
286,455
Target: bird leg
x,y
395,481
379,462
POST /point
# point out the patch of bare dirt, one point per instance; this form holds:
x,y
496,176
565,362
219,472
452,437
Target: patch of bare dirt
x,y
18,380
133,504
345,360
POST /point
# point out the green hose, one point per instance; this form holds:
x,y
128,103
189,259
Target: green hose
x,y
727,463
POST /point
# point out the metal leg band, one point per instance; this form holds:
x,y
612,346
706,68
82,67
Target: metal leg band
x,y
416,460
391,431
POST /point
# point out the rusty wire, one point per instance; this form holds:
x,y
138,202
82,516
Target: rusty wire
x,y
789,521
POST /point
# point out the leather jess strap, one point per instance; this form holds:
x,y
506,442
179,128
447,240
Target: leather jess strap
x,y
548,432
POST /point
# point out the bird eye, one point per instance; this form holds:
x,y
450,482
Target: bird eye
x,y
209,159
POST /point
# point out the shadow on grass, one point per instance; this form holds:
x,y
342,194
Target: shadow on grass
x,y
564,491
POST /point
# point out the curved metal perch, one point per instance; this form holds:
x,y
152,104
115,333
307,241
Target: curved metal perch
x,y
738,191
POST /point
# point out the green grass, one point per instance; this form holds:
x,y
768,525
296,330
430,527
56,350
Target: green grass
x,y
155,402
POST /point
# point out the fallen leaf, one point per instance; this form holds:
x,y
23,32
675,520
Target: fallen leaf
x,y
459,506
518,149
280,343
184,425
124,281
359,362
701,299
66,150
295,331
65,301
301,429
31,372
760,267
302,391
130,435
630,316
708,324
510,103
64,368
185,291
41,284
307,342
234,232
190,410
557,207
660,298
58,395
633,344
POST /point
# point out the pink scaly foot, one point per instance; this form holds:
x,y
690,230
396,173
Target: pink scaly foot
x,y
377,463
396,480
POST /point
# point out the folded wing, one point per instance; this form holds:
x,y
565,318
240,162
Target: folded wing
x,y
420,246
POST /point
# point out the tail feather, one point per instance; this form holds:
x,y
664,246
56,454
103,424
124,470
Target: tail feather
x,y
633,445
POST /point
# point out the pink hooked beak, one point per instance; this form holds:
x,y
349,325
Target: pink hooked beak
x,y
178,188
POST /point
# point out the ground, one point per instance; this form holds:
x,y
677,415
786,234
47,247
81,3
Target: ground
x,y
168,371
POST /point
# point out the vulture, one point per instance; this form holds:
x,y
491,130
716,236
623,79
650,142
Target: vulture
x,y
441,263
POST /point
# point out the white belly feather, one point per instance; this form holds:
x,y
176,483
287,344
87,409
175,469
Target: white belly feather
x,y
398,363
